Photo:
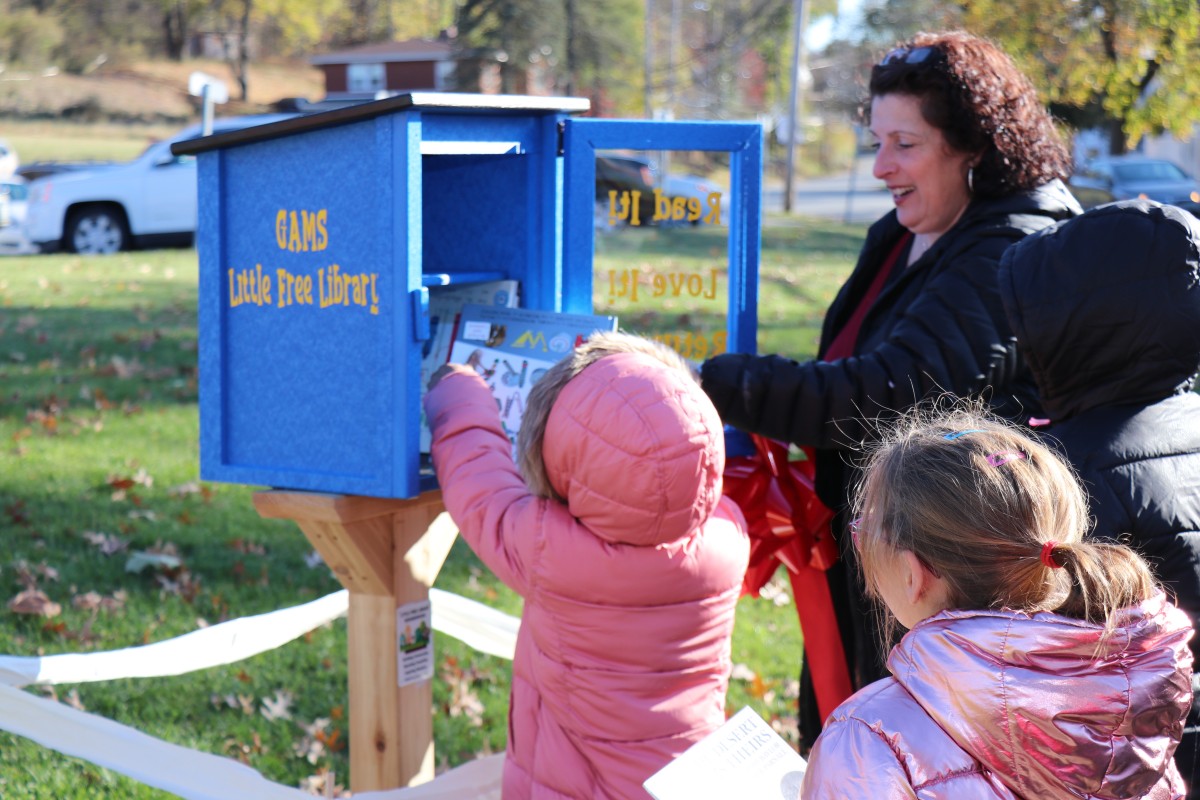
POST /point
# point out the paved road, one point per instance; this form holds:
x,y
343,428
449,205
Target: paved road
x,y
851,197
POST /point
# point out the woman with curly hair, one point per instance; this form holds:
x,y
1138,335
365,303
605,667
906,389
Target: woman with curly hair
x,y
973,163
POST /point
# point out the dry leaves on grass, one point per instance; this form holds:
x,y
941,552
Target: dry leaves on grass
x,y
278,706
242,751
28,574
106,543
463,702
34,601
191,488
239,702
72,697
169,571
93,601
323,784
317,740
122,484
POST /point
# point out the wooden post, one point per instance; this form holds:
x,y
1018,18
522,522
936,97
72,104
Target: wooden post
x,y
387,553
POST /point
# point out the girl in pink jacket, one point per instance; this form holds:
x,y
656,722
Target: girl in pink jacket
x,y
630,562
1036,665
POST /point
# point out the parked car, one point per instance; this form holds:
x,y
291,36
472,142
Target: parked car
x,y
14,193
1103,180
40,169
149,201
700,189
624,174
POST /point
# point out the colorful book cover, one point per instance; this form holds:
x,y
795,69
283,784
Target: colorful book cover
x,y
745,757
445,304
512,347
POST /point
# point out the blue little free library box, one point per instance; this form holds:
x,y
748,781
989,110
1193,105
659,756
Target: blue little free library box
x,y
320,238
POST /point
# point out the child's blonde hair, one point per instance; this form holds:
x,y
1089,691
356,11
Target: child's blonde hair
x,y
550,385
999,516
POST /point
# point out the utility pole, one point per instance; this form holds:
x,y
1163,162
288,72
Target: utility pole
x,y
795,104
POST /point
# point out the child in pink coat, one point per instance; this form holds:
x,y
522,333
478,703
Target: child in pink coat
x,y
1038,665
614,531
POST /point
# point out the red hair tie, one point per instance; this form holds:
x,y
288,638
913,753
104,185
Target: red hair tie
x,y
1048,555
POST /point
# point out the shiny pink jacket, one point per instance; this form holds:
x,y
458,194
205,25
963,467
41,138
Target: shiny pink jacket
x,y
995,704
623,656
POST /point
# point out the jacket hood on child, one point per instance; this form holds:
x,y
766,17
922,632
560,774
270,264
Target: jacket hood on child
x,y
1046,706
627,428
1126,330
999,704
630,589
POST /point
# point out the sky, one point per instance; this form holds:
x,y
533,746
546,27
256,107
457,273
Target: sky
x,y
822,29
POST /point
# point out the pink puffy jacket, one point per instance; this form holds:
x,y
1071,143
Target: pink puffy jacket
x,y
997,704
623,655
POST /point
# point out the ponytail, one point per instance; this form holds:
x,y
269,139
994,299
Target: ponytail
x,y
996,514
1102,579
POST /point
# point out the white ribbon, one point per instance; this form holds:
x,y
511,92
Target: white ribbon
x,y
196,775
483,628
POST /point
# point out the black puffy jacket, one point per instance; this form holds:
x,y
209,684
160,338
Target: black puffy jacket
x,y
1107,312
939,326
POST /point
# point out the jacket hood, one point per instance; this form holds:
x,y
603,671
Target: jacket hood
x,y
1046,705
1106,307
637,450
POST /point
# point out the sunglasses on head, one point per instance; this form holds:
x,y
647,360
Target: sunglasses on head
x,y
906,55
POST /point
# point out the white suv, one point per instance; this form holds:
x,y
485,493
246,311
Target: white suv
x,y
147,202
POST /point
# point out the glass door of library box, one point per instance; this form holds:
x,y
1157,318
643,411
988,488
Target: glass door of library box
x,y
662,229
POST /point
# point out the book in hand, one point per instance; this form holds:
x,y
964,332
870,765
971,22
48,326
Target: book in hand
x,y
744,758
512,347
445,306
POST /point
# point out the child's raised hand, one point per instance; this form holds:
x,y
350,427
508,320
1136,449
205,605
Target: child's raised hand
x,y
448,369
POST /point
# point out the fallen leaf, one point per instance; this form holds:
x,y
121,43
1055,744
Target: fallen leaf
x,y
332,740
311,746
73,700
251,548
323,784
107,543
140,560
93,601
89,601
759,688
184,489
278,706
16,512
742,673
34,601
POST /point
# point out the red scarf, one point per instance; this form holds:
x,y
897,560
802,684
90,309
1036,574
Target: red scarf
x,y
846,340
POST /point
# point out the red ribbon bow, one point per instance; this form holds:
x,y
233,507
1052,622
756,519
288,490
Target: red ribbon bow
x,y
789,525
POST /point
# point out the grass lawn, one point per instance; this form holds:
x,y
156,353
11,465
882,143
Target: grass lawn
x,y
36,140
99,455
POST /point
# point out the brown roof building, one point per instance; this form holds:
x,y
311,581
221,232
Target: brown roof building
x,y
417,65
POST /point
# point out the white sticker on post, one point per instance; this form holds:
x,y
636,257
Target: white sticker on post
x,y
414,637
476,331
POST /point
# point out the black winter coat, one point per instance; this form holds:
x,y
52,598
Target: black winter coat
x,y
938,326
1107,313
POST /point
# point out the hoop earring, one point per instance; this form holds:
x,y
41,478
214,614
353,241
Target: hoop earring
x,y
970,180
